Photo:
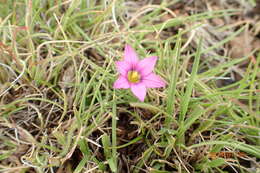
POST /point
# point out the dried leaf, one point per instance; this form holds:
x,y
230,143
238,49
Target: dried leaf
x,y
243,45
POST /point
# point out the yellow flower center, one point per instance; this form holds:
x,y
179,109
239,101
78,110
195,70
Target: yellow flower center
x,y
133,76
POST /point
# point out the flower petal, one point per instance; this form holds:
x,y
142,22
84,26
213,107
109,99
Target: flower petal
x,y
153,81
139,90
121,82
130,55
146,65
123,67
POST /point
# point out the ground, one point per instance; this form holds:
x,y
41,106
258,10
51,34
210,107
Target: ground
x,y
60,113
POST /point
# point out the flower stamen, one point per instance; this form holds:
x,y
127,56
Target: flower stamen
x,y
133,76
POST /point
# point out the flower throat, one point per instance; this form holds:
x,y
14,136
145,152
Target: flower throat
x,y
133,76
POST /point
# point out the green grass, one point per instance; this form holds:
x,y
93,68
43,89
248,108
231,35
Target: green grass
x,y
60,113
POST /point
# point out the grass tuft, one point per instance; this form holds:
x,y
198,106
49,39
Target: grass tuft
x,y
60,113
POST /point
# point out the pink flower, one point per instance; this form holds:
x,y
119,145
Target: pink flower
x,y
137,74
